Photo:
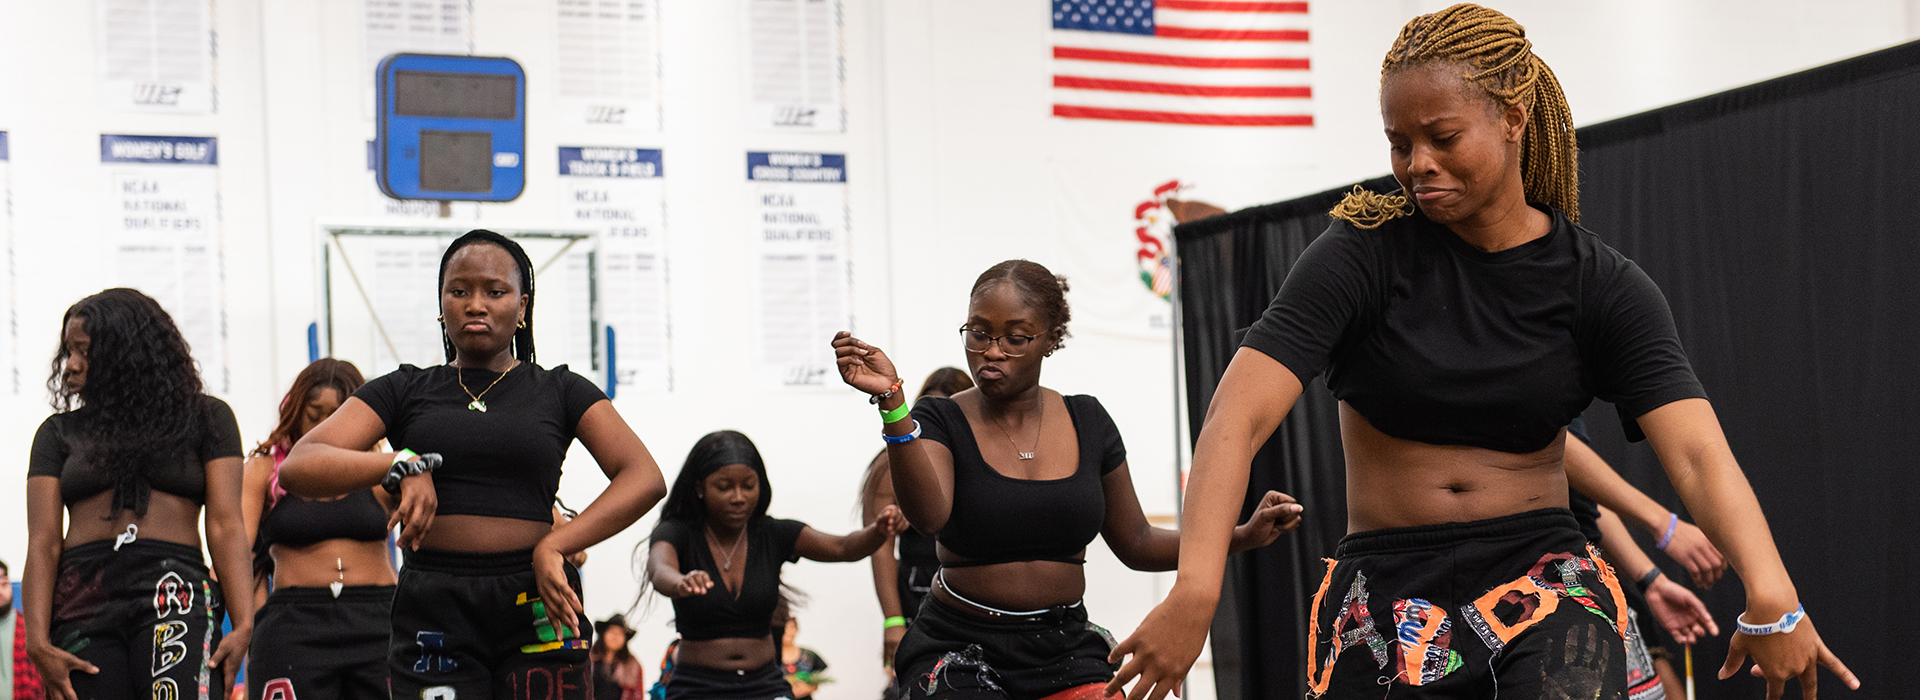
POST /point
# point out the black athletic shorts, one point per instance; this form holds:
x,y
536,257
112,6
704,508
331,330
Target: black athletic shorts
x,y
147,615
471,626
309,644
1519,605
702,683
952,654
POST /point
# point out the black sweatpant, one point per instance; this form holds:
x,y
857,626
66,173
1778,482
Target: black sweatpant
x,y
952,654
1520,606
702,683
147,615
309,644
471,626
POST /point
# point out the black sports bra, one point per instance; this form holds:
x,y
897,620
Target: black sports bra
x,y
298,522
998,519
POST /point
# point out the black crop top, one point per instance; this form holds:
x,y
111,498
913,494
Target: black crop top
x,y
997,518
297,522
1437,341
503,462
60,450
718,613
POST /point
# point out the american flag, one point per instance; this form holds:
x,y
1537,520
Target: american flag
x,y
1205,62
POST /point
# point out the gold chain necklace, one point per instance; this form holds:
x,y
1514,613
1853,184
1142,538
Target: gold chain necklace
x,y
476,404
1038,431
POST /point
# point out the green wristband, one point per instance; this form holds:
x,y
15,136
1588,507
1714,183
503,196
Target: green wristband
x,y
892,622
898,414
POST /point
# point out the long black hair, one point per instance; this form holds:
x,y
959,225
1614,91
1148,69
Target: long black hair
x,y
522,336
685,504
143,403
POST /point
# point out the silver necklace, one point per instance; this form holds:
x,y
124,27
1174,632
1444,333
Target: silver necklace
x,y
727,565
1041,425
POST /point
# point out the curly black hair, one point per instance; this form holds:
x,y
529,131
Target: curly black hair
x,y
143,403
522,336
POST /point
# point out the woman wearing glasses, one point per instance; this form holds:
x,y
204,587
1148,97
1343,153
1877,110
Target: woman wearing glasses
x,y
1015,480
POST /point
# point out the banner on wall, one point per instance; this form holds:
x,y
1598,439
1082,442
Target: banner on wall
x,y
164,222
796,65
798,205
155,55
12,354
609,62
412,26
620,191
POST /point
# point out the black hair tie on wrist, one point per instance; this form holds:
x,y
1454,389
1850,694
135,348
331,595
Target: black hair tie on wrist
x,y
1648,578
426,463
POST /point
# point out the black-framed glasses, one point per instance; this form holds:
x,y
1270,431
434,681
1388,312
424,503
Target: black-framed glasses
x,y
1011,344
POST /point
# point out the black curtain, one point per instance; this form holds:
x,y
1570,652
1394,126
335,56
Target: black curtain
x,y
1776,218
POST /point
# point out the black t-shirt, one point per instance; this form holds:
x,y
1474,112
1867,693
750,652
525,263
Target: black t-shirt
x,y
718,614
1434,340
502,462
997,518
60,450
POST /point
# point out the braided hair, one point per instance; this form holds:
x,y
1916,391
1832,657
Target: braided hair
x,y
522,336
143,403
1497,57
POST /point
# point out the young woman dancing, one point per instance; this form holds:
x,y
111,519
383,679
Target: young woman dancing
x,y
323,630
718,555
121,604
1463,323
487,605
903,574
1015,480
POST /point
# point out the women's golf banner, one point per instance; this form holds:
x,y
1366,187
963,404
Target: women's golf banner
x,y
798,205
164,225
620,191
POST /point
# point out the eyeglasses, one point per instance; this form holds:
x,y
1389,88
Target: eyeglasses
x,y
1011,344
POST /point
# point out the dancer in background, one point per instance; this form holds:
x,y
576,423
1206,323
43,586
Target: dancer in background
x,y
487,605
805,671
1015,480
617,673
903,576
121,603
717,554
323,630
1463,323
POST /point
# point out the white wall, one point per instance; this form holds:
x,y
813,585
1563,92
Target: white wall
x,y
954,164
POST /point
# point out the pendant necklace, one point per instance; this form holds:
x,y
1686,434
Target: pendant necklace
x,y
476,404
1036,433
727,565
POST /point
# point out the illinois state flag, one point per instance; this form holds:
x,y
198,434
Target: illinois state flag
x,y
1202,62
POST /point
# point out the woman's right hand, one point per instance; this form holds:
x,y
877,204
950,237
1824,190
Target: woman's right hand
x,y
863,366
414,515
1680,611
56,667
1693,550
696,583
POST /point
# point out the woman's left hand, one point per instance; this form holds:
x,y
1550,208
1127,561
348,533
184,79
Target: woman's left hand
x,y
229,656
1784,656
891,521
1277,513
550,576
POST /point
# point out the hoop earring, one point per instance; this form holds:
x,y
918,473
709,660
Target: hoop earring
x,y
442,318
523,323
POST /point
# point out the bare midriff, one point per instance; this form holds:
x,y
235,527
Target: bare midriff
x,y
1018,586
729,653
343,561
483,533
1393,482
169,518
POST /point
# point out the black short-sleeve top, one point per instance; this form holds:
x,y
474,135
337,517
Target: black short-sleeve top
x,y
502,462
718,613
60,450
997,518
1434,340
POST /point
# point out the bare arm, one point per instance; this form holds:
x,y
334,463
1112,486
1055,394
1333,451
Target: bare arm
x,y
1687,437
636,485
663,569
819,546
1254,395
333,459
1591,475
46,515
1143,547
922,469
253,505
231,551
1673,606
876,494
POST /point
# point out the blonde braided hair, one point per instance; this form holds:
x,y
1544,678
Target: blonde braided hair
x,y
1501,62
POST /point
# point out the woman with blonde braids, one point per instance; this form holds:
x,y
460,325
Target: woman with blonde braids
x,y
1463,322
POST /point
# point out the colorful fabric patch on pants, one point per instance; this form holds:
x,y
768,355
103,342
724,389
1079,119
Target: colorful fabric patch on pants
x,y
1425,636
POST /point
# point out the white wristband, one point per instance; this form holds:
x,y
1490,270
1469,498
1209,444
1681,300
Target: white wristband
x,y
1786,624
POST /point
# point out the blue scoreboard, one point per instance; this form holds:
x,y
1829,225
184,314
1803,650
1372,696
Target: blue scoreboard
x,y
451,128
